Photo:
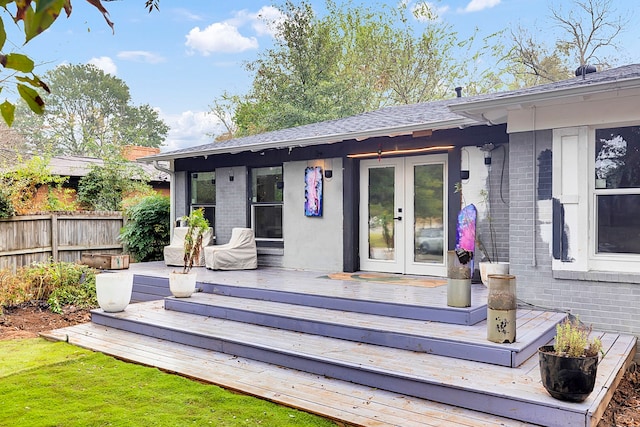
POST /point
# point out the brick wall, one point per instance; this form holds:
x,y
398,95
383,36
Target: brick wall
x,y
231,202
608,301
134,152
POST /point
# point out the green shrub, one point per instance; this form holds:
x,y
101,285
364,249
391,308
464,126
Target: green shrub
x,y
6,207
58,283
104,187
147,230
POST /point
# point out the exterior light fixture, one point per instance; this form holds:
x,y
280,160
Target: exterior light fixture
x,y
381,153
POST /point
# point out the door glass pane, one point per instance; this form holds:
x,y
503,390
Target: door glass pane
x,y
381,208
428,206
619,224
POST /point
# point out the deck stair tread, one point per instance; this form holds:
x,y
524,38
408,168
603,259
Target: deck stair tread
x,y
503,391
535,328
343,401
315,289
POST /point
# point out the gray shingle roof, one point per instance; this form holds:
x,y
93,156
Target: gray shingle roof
x,y
401,119
79,166
395,120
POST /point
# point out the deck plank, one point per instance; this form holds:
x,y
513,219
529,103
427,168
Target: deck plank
x,y
339,400
409,334
451,381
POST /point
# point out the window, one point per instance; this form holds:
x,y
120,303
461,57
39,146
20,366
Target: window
x,y
617,190
596,182
267,189
203,194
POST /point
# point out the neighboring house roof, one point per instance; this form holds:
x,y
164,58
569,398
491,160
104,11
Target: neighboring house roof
x,y
78,166
405,119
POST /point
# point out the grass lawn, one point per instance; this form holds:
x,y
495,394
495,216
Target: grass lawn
x,y
57,384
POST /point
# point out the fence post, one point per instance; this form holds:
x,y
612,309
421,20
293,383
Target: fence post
x,y
54,237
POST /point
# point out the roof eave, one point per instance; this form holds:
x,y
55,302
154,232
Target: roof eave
x,y
476,110
316,140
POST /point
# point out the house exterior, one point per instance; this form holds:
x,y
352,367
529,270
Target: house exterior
x,y
553,170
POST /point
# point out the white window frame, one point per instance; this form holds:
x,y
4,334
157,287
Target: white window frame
x,y
619,262
574,188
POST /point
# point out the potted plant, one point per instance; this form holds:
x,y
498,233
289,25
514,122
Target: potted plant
x,y
183,283
491,264
568,368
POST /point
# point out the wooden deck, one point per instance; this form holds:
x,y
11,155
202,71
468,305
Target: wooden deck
x,y
358,367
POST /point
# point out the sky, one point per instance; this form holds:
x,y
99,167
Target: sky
x,y
181,58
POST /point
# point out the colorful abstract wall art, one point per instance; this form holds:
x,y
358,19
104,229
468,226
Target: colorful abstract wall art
x,y
313,191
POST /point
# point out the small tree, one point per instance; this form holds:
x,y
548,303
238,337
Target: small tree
x,y
147,230
104,187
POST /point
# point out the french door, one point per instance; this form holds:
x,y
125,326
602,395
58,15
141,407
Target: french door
x,y
402,208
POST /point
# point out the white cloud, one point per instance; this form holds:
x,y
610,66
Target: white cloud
x,y
141,56
478,5
190,129
185,14
266,20
219,37
106,64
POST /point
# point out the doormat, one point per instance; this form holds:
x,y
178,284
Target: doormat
x,y
391,279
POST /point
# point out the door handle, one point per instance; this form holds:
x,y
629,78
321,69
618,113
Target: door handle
x,y
399,218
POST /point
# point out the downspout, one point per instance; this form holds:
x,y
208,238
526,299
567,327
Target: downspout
x,y
534,259
172,184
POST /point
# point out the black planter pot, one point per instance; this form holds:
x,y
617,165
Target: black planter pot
x,y
567,378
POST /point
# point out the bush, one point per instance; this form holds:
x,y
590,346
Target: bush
x,y
6,207
148,228
20,186
104,187
58,283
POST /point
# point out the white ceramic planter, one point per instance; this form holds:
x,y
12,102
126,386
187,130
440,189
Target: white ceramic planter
x,y
182,285
487,268
114,291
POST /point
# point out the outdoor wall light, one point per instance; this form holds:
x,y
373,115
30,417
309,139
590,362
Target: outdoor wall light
x,y
231,177
381,153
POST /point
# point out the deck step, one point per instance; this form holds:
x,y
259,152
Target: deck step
x,y
346,402
508,392
326,294
535,328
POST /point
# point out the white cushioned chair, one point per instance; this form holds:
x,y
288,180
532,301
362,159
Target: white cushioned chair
x,y
174,253
239,254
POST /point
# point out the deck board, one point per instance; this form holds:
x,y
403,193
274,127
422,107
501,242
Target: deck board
x,y
515,392
314,288
426,336
335,399
414,376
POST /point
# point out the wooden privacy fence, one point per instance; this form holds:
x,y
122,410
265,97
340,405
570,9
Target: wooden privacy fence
x,y
58,236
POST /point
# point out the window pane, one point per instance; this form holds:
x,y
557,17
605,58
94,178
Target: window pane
x,y
203,188
267,184
428,213
381,207
619,224
617,162
267,221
